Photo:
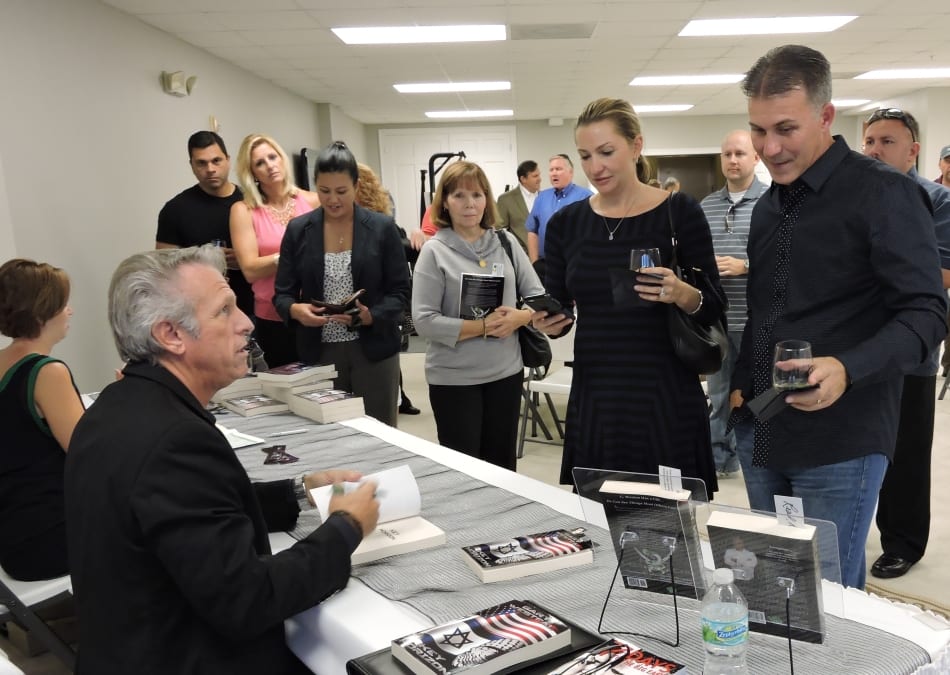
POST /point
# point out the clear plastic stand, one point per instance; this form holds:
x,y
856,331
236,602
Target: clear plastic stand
x,y
654,533
779,569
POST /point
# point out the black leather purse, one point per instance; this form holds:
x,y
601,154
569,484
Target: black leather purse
x,y
701,348
535,347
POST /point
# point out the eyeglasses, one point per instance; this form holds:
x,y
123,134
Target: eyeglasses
x,y
895,114
731,218
604,658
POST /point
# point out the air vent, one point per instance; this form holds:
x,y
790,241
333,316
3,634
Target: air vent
x,y
552,31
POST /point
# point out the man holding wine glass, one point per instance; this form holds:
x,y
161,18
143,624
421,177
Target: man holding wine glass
x,y
842,254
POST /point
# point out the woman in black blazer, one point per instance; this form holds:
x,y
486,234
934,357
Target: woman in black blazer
x,y
327,255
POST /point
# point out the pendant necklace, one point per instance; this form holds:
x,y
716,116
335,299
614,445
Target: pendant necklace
x,y
481,259
610,232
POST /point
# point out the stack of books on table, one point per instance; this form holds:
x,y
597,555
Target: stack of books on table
x,y
248,385
255,404
326,405
285,381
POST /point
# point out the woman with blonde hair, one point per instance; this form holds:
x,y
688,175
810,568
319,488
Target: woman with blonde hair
x,y
258,223
633,405
39,408
473,361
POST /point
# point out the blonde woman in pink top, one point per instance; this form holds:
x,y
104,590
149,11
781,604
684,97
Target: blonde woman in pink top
x,y
257,227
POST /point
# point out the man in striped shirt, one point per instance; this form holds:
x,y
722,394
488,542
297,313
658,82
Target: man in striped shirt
x,y
729,212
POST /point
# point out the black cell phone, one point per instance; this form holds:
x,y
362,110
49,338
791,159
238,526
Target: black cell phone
x,y
549,304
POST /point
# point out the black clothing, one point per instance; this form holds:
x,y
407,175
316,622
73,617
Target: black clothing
x,y
192,218
633,405
378,266
903,508
168,548
32,515
864,287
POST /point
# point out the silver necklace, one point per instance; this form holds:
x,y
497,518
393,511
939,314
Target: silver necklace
x,y
610,232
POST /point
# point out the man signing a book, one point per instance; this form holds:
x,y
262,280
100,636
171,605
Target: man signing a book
x,y
169,555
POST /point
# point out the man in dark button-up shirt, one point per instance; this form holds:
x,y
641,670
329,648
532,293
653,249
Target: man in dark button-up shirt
x,y
863,288
903,510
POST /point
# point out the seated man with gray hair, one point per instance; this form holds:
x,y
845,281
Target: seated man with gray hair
x,y
170,560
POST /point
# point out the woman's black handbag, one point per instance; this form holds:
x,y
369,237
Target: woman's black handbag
x,y
701,348
535,347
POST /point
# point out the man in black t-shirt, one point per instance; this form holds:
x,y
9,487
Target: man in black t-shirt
x,y
201,214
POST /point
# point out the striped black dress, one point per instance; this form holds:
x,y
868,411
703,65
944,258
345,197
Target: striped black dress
x,y
633,406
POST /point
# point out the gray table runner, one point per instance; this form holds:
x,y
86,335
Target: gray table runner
x,y
437,583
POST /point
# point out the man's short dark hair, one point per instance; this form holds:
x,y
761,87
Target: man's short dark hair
x,y
526,167
790,67
205,139
565,157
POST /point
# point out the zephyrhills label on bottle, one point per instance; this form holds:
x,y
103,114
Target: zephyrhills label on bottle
x,y
725,633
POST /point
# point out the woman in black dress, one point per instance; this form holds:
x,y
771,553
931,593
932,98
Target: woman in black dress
x,y
633,405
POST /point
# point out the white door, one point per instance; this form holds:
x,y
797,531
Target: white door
x,y
403,153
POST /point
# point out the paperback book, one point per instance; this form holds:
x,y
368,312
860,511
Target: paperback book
x,y
296,373
326,405
620,657
255,404
488,641
529,554
654,530
400,528
284,391
248,385
768,560
479,295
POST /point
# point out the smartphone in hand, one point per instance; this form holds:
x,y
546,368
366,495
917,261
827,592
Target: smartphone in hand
x,y
549,304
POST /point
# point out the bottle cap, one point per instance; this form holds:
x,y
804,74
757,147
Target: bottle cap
x,y
723,576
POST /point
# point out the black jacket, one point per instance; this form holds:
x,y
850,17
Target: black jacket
x,y
378,264
170,560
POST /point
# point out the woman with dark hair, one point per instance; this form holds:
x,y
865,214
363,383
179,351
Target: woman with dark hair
x,y
39,408
474,381
258,224
633,405
327,255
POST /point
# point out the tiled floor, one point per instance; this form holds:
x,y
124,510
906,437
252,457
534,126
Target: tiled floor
x,y
928,583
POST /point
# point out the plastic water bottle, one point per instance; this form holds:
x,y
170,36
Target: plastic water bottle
x,y
725,617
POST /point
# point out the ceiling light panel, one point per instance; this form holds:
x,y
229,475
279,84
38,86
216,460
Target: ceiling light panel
x,y
674,80
443,87
765,26
453,114
402,35
904,74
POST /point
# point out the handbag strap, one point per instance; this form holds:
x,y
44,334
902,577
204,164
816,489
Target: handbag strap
x,y
674,261
506,244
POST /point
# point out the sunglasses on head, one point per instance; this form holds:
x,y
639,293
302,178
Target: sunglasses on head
x,y
893,114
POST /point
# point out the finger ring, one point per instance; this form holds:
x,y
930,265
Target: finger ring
x,y
819,402
662,292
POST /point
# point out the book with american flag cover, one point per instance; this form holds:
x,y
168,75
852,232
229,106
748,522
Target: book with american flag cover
x,y
488,641
529,554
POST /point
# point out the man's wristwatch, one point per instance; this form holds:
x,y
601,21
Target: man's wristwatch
x,y
747,265
300,492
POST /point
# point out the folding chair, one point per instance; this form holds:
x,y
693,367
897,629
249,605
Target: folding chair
x,y
557,380
20,599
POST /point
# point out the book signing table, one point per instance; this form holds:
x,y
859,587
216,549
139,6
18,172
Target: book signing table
x,y
477,502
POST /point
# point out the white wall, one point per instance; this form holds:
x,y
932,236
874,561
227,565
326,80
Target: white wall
x,y
91,148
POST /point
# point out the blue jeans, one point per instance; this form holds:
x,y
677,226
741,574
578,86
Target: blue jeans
x,y
844,493
717,385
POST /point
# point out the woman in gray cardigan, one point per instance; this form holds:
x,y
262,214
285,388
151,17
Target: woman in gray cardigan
x,y
473,362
